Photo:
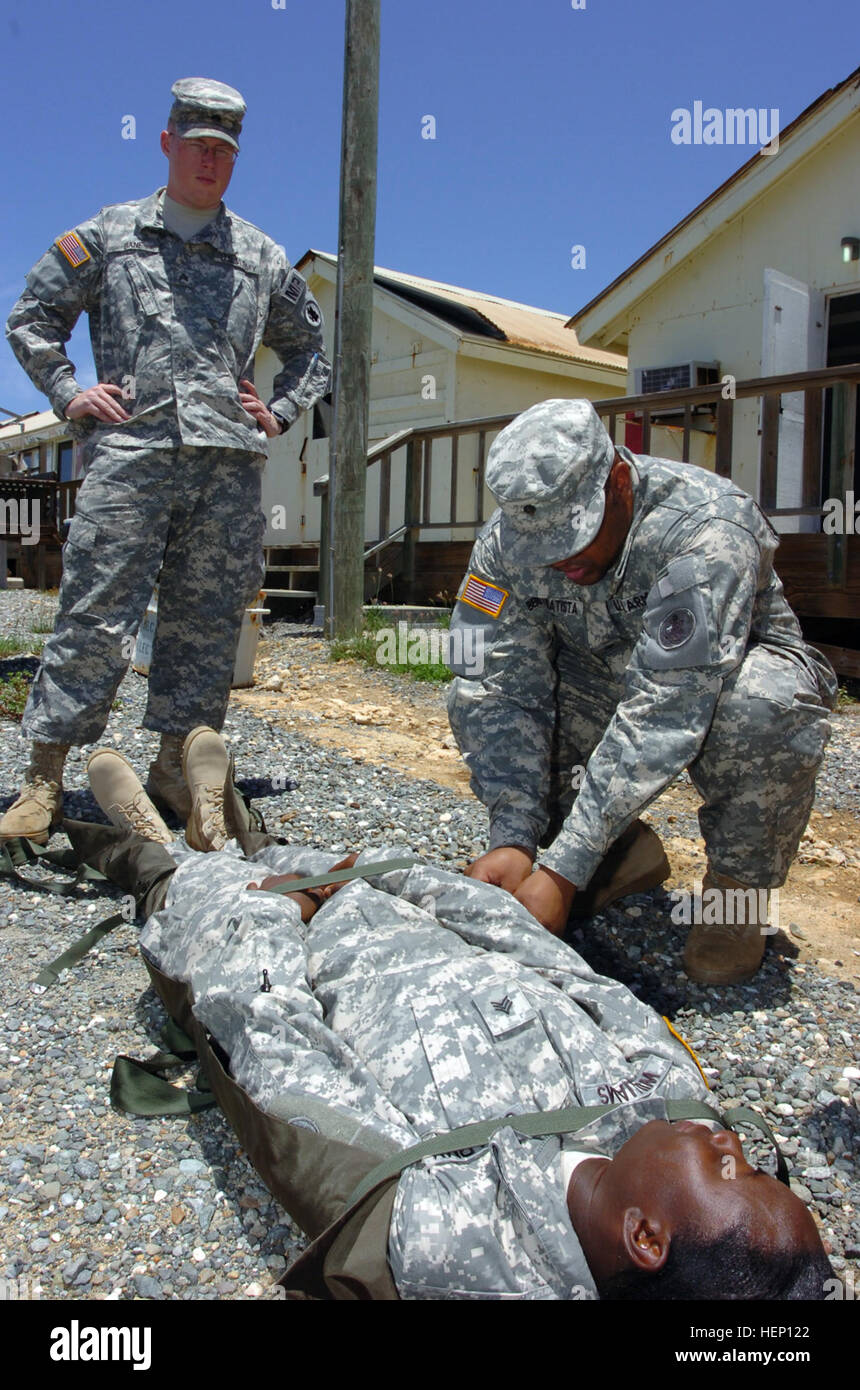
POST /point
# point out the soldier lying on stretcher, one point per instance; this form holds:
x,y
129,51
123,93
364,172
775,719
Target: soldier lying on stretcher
x,y
369,1016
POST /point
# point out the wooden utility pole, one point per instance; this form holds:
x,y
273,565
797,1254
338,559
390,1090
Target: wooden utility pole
x,y
354,318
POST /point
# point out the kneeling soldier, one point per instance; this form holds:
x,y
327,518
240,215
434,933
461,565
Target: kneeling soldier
x,y
632,626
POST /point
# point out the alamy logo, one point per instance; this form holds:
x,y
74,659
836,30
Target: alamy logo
x,y
737,125
720,907
76,1343
22,1288
462,648
841,518
19,516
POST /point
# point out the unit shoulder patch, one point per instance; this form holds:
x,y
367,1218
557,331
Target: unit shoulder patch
x,y
293,288
486,597
676,629
73,249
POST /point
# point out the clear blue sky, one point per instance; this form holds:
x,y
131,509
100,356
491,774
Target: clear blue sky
x,y
552,124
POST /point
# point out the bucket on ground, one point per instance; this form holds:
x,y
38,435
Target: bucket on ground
x,y
246,651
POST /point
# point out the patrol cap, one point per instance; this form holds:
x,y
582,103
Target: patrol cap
x,y
202,106
547,470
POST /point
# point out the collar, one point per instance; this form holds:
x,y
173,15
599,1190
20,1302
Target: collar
x,y
541,1201
616,575
217,232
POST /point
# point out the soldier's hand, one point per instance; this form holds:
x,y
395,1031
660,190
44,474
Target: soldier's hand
x,y
506,867
250,401
309,901
548,897
98,401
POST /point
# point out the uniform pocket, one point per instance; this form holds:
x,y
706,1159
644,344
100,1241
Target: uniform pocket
x,y
144,291
768,674
83,533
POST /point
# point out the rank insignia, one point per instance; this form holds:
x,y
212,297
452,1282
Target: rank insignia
x,y
486,597
73,249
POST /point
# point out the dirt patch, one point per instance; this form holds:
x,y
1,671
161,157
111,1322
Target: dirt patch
x,y
346,706
819,904
403,724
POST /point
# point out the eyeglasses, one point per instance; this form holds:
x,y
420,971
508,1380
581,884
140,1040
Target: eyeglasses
x,y
221,153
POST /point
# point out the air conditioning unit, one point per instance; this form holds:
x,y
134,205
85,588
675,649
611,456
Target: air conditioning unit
x,y
681,377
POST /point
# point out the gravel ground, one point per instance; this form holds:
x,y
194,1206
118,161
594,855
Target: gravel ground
x,y
95,1204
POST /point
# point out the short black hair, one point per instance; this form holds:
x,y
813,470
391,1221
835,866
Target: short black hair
x,y
727,1268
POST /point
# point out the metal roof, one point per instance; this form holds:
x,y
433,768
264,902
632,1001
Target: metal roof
x,y
27,425
479,314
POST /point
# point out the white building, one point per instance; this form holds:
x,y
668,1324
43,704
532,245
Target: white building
x,y
761,279
439,354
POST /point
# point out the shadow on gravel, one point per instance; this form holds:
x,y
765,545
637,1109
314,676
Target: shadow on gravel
x,y
18,665
80,804
645,953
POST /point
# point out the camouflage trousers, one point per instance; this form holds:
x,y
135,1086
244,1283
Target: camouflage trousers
x,y
755,771
187,516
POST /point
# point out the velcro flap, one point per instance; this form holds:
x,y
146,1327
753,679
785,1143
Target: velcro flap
x,y
504,1008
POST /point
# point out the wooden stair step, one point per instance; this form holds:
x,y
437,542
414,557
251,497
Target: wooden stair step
x,y
290,593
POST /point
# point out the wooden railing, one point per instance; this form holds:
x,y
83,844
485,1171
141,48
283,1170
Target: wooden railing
x,y
417,504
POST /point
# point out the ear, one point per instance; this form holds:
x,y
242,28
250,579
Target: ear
x,y
646,1240
620,482
165,142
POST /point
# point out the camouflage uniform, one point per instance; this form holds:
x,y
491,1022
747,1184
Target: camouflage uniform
x,y
176,324
411,1004
684,655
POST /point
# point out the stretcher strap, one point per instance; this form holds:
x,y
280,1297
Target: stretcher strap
x,y
17,854
536,1124
50,974
299,885
137,1088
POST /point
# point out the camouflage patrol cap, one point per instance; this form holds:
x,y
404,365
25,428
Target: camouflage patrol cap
x,y
547,471
202,106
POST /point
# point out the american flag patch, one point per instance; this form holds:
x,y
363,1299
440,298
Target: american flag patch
x,y
479,593
73,248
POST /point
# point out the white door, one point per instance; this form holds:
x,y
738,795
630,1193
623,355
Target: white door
x,y
794,340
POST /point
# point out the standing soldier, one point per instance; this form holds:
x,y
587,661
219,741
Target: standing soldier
x,y
180,293
632,627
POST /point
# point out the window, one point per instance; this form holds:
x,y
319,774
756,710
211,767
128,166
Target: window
x,y
65,460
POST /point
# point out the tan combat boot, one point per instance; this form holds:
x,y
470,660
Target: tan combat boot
x,y
729,949
38,808
165,782
634,864
116,788
206,767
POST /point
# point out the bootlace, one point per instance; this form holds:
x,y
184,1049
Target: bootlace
x,y
39,788
211,803
138,814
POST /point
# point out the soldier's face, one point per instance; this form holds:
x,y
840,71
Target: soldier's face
x,y
200,169
588,566
688,1173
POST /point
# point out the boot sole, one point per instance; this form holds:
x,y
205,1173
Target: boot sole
x,y
714,977
191,838
41,837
